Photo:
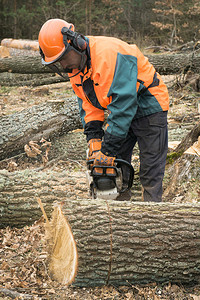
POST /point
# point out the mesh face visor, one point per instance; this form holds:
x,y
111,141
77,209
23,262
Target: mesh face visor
x,y
56,66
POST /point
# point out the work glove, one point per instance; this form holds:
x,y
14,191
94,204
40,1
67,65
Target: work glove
x,y
103,160
94,146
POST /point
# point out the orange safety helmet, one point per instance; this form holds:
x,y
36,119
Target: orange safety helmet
x,y
50,38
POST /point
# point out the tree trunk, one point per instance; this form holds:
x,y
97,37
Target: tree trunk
x,y
118,242
165,64
23,64
15,79
47,120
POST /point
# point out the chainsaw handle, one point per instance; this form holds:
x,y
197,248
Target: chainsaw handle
x,y
104,169
130,167
120,162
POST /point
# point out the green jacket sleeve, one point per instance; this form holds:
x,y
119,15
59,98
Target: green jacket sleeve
x,y
123,106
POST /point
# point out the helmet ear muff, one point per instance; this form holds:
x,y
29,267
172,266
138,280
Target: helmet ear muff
x,y
77,40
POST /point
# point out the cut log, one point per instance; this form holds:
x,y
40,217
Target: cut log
x,y
23,65
192,80
47,120
124,243
165,64
15,79
20,44
182,179
189,139
4,52
118,242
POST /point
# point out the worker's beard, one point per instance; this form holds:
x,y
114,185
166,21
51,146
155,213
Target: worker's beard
x,y
63,72
83,61
81,67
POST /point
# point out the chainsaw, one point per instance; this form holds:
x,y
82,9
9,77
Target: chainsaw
x,y
108,184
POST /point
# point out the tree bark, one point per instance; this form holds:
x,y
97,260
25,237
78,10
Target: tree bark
x,y
189,139
16,79
182,179
119,242
164,64
47,120
23,64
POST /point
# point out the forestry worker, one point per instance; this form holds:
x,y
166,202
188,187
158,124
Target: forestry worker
x,y
109,74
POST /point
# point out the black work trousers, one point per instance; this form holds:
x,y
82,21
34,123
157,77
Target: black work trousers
x,y
151,133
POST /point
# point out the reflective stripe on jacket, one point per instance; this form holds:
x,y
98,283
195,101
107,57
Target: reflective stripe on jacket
x,y
121,80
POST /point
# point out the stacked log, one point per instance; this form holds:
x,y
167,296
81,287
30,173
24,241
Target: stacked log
x,y
20,44
165,64
24,67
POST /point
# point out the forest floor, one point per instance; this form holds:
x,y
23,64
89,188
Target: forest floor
x,y
23,269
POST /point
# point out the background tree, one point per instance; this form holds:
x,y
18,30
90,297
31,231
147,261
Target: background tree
x,y
191,25
177,20
136,21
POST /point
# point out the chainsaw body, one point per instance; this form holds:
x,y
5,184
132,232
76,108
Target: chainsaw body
x,y
108,183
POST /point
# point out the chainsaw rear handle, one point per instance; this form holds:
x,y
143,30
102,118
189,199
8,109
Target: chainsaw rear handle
x,y
120,163
130,167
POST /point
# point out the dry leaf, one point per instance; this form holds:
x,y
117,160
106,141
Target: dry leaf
x,y
12,166
45,146
195,297
33,149
44,159
34,144
42,148
29,152
4,265
5,100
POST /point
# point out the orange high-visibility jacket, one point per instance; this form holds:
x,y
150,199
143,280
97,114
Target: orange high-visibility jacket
x,y
119,78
